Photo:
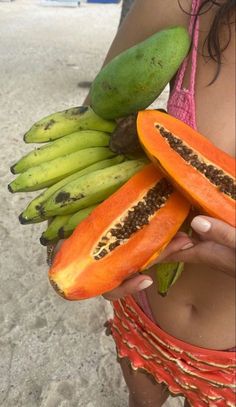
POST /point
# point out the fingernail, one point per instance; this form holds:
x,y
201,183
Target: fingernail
x,y
187,246
145,284
201,225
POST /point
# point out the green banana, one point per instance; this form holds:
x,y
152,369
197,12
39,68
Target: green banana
x,y
48,173
167,274
67,229
32,213
79,140
90,189
68,121
50,235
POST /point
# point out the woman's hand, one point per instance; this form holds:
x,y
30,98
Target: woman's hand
x,y
140,281
213,244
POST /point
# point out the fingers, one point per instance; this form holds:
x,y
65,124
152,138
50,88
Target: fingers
x,y
180,241
214,230
214,245
207,252
141,281
129,287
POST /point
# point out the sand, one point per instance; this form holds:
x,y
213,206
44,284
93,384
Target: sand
x,y
53,353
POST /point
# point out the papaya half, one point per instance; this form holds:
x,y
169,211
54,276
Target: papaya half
x,y
135,78
199,170
121,236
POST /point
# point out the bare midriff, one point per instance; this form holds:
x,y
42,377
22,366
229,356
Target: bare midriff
x,y
199,308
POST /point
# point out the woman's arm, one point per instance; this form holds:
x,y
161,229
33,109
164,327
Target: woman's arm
x,y
145,18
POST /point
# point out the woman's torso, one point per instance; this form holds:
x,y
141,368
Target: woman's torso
x,y
200,308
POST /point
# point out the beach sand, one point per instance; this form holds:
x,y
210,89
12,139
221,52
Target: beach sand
x,y
54,353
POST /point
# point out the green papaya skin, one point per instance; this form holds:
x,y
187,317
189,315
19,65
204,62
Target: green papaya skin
x,y
136,77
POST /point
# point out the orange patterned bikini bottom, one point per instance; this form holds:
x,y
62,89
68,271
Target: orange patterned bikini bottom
x,y
204,377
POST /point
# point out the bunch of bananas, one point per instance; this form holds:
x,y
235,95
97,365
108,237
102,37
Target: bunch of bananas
x,y
76,168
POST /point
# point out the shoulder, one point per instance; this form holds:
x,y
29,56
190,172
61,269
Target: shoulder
x,y
158,14
147,17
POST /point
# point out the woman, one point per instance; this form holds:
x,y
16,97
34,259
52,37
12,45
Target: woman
x,y
194,326
184,343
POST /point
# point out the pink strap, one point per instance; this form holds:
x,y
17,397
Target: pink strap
x,y
194,35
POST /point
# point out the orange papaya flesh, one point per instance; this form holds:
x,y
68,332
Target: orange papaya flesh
x,y
198,169
120,237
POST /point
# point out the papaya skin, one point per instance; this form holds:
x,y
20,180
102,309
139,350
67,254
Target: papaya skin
x,y
136,77
76,275
194,185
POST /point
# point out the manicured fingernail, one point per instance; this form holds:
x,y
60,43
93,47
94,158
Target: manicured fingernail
x,y
145,284
187,246
201,225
